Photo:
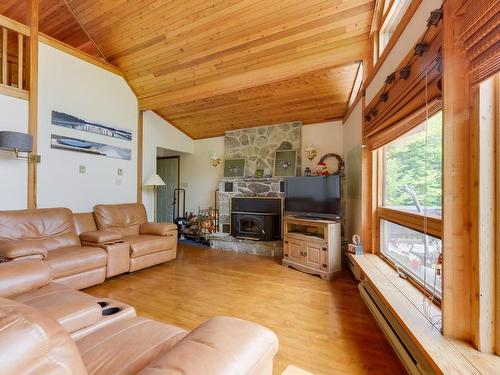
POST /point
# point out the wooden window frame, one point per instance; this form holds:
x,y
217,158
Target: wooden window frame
x,y
426,224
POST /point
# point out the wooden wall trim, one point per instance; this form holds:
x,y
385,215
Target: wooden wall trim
x,y
14,92
33,98
457,299
14,25
79,54
140,140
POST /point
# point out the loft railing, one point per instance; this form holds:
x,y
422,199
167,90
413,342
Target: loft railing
x,y
14,37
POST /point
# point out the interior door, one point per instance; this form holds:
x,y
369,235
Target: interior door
x,y
168,170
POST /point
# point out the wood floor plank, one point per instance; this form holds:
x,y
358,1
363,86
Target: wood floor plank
x,y
323,327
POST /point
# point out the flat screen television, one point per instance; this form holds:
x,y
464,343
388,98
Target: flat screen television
x,y
314,197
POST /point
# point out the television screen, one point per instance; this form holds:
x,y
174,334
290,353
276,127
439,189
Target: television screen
x,y
313,196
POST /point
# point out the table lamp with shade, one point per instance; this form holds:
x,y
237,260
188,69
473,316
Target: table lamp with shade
x,y
154,181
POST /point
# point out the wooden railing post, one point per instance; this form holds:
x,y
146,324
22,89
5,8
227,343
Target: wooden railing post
x,y
33,101
5,65
20,61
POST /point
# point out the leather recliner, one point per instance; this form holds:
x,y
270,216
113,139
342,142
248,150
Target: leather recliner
x,y
49,234
150,243
32,342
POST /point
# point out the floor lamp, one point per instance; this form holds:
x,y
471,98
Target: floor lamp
x,y
154,181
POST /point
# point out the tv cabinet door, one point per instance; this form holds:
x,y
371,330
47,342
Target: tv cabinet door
x,y
313,255
295,252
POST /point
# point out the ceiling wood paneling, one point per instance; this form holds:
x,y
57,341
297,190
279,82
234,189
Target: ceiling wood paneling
x,y
55,21
193,61
313,98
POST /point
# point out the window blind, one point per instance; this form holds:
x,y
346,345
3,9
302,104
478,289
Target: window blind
x,y
481,38
409,96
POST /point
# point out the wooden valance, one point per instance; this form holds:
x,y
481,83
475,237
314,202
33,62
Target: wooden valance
x,y
481,38
404,103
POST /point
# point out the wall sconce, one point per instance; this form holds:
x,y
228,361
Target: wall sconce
x,y
215,159
18,143
311,151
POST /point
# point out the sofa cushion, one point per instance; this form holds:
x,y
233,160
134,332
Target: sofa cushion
x,y
48,228
72,260
100,236
122,218
84,222
127,346
23,276
158,229
33,343
72,309
145,244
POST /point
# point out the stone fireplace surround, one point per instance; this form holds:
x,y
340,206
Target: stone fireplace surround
x,y
244,187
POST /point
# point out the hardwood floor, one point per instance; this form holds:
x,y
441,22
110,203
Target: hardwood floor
x,y
323,326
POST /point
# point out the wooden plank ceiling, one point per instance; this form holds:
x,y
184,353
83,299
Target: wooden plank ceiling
x,y
208,66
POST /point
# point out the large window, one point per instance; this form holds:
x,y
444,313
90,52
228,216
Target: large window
x,y
412,178
391,20
410,203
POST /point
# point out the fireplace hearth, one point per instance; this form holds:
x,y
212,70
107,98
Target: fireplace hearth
x,y
256,218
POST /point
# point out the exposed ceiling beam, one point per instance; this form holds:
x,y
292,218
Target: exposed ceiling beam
x,y
290,69
84,29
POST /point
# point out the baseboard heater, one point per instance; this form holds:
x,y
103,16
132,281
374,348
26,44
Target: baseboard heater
x,y
411,357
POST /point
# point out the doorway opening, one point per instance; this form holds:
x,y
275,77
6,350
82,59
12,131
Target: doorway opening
x,y
168,168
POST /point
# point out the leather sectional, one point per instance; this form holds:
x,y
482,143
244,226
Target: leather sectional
x,y
83,249
49,328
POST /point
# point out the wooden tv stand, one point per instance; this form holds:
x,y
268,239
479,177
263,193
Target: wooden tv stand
x,y
312,246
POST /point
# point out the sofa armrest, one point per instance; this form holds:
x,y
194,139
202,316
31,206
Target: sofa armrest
x,y
100,236
23,275
223,346
158,229
16,249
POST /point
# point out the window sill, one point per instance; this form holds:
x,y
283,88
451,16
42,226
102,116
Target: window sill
x,y
405,301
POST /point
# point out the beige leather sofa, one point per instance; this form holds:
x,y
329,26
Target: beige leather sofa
x,y
150,243
49,234
42,334
83,249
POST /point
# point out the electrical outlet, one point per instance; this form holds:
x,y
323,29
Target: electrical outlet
x,y
118,182
119,172
83,169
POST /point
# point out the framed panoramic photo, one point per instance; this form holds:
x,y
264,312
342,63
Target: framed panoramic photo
x,y
234,168
285,163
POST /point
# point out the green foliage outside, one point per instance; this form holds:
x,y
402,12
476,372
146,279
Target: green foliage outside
x,y
415,161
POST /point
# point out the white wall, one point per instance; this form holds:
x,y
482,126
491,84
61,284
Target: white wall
x,y
81,89
159,133
198,176
325,137
13,172
352,149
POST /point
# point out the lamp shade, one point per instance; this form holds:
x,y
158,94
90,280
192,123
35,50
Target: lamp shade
x,y
11,141
154,180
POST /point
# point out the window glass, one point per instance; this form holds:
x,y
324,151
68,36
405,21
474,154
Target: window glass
x,y
415,253
412,170
395,15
